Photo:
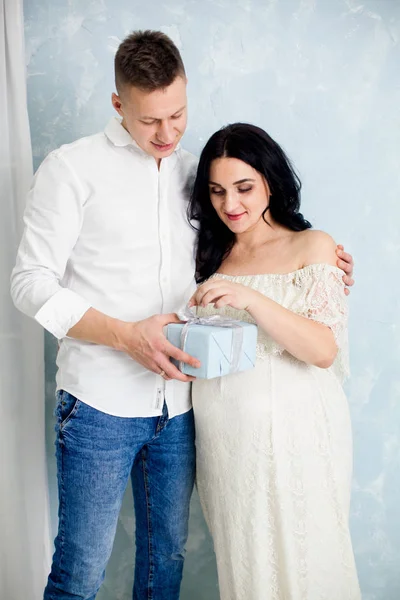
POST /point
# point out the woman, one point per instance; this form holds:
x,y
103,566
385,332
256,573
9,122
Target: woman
x,y
274,450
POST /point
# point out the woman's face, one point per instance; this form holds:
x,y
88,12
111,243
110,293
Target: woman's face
x,y
238,193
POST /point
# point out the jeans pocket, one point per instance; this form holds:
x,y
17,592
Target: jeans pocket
x,y
66,408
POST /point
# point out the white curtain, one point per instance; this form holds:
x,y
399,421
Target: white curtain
x,y
24,511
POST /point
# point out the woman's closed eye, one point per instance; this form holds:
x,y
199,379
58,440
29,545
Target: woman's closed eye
x,y
217,191
221,192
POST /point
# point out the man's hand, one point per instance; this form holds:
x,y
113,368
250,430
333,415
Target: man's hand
x,y
143,340
346,263
146,343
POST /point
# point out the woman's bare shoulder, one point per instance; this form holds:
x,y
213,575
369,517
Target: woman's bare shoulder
x,y
317,247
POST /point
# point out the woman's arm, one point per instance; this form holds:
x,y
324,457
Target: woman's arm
x,y
304,338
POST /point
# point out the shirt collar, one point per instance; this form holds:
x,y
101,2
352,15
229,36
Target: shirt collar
x,y
119,136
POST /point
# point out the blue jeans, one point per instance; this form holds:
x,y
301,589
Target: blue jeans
x,y
96,455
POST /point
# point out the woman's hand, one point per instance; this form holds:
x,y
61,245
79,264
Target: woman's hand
x,y
221,292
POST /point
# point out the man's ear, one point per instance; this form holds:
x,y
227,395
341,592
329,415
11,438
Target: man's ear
x,y
117,104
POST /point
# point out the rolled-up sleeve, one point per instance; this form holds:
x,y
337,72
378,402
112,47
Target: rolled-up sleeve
x,y
53,220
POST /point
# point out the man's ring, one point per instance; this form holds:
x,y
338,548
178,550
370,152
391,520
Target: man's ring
x,y
162,373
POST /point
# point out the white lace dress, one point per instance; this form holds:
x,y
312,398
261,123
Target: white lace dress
x,y
274,457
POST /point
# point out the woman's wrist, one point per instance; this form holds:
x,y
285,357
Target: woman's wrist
x,y
254,300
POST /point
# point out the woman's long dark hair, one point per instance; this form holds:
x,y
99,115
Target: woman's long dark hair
x,y
255,147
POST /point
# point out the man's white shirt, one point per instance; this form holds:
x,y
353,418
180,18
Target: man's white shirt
x,y
104,228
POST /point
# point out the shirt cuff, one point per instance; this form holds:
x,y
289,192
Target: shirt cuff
x,y
61,312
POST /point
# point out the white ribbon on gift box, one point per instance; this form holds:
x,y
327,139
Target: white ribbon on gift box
x,y
190,318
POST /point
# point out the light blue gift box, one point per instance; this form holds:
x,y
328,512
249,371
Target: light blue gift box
x,y
212,346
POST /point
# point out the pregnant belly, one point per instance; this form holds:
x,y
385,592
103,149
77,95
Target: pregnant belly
x,y
279,414
278,389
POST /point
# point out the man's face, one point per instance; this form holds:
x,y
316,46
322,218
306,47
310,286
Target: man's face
x,y
156,120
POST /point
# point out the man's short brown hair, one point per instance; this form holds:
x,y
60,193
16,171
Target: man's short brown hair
x,y
148,60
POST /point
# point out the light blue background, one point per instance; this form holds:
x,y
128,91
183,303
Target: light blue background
x,y
323,78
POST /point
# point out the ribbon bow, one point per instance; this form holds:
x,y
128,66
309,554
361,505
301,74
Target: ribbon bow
x,y
190,318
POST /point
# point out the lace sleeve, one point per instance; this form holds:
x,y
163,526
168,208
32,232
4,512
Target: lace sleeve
x,y
324,301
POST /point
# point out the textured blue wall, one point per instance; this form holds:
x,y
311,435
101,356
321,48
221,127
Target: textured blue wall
x,y
323,77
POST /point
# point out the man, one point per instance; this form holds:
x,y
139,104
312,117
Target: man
x,y
106,245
